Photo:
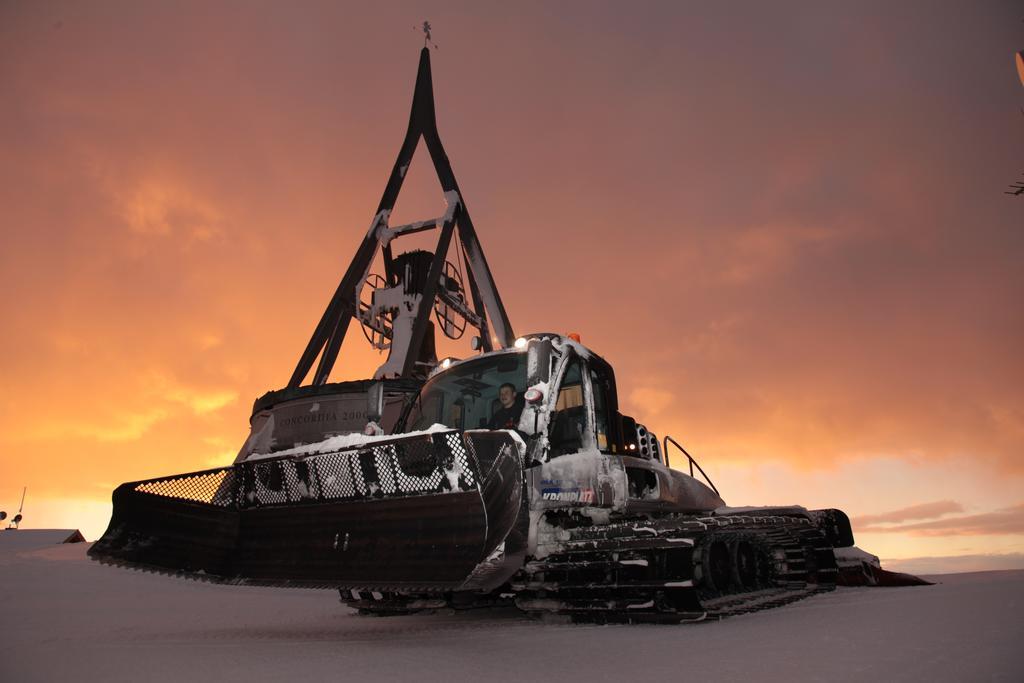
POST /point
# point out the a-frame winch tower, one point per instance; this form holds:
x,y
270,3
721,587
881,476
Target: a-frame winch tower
x,y
395,309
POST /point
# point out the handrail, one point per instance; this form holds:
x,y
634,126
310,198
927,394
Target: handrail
x,y
693,463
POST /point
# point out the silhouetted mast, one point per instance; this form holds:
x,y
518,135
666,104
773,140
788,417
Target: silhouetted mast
x,y
398,312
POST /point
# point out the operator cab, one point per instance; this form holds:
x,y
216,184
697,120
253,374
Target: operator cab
x,y
563,391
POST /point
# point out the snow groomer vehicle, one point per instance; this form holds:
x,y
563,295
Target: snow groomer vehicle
x,y
507,477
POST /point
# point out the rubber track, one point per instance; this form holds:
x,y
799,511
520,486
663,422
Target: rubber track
x,y
802,564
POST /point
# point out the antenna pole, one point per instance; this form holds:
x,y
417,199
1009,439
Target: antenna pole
x,y
22,499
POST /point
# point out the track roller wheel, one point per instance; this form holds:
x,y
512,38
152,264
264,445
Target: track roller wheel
x,y
717,567
745,565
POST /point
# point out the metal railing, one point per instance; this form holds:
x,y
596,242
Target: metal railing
x,y
693,463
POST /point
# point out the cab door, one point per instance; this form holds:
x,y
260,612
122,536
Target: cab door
x,y
584,412
568,429
580,422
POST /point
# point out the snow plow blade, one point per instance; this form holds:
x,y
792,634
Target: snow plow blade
x,y
404,513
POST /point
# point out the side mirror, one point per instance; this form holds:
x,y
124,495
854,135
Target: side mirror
x,y
375,402
538,361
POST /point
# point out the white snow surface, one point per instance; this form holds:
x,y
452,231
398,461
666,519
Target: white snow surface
x,y
336,443
67,618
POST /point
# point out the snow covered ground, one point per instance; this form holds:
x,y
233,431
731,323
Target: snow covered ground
x,y
63,617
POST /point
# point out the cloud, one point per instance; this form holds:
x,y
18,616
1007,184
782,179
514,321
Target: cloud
x,y
125,426
223,453
922,511
142,401
650,400
161,208
1008,520
199,401
221,459
763,251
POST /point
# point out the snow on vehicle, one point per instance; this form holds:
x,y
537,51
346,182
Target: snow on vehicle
x,y
510,476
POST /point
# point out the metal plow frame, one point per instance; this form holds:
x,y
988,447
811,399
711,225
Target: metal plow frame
x,y
409,513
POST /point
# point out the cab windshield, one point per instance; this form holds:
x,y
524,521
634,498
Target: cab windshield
x,y
467,396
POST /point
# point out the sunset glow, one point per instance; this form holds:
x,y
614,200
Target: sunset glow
x,y
784,227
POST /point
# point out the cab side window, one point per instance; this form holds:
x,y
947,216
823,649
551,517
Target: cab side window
x,y
570,395
569,419
599,384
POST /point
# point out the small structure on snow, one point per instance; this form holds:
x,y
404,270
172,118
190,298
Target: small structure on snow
x,y
13,540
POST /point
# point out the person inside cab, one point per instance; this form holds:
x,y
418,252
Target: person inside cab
x,y
510,407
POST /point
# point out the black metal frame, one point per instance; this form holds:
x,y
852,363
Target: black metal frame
x,y
330,331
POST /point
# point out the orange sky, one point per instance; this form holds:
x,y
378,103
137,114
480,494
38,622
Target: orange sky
x,y
783,226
